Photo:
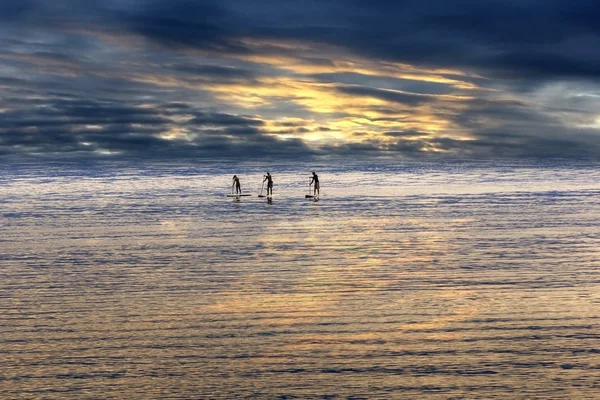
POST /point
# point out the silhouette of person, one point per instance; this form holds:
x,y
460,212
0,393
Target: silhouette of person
x,y
236,182
269,180
315,180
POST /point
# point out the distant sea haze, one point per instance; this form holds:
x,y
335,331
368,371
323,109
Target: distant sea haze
x,y
408,280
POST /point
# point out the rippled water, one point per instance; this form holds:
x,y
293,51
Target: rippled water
x,y
410,280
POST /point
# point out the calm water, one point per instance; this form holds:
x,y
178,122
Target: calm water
x,y
416,281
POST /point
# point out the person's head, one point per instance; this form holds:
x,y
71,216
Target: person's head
x,y
268,173
314,173
235,176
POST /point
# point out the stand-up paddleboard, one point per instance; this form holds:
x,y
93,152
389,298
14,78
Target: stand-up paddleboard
x,y
262,195
309,196
238,195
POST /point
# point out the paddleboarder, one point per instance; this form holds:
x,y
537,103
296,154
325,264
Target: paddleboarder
x,y
315,180
269,180
238,187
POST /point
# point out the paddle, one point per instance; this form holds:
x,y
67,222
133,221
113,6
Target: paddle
x,y
261,190
309,196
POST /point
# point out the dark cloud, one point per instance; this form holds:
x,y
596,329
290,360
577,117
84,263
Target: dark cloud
x,y
497,144
363,149
243,131
69,113
197,24
514,117
227,73
15,10
386,82
291,124
135,77
502,144
222,119
410,99
510,38
507,38
403,134
97,128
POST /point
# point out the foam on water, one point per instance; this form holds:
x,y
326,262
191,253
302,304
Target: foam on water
x,y
414,280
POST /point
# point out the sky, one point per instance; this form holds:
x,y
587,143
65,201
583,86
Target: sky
x,y
286,79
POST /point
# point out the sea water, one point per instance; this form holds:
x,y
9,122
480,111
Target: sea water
x,y
415,280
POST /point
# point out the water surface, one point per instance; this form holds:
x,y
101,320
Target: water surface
x,y
406,280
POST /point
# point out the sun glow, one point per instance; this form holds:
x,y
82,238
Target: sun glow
x,y
285,78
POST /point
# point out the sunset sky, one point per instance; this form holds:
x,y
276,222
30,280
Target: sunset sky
x,y
281,78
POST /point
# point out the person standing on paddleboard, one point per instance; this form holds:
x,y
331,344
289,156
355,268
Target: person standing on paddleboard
x,y
269,180
315,180
236,182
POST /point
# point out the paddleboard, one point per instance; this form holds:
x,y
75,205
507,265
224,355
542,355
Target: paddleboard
x,y
238,195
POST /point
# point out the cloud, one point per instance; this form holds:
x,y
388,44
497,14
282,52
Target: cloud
x,y
188,23
386,82
222,119
95,128
506,38
185,78
15,10
393,96
404,134
217,72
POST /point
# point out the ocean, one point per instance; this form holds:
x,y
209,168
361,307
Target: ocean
x,y
406,280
